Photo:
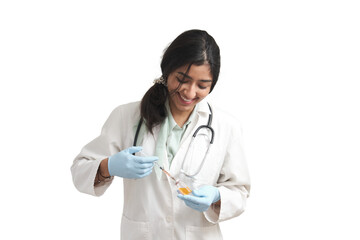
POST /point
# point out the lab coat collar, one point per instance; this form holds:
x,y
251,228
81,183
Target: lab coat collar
x,y
203,107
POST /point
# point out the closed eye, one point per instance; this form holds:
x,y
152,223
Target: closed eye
x,y
181,80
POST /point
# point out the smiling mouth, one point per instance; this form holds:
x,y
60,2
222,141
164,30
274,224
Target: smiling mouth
x,y
185,100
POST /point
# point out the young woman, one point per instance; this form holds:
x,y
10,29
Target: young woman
x,y
174,128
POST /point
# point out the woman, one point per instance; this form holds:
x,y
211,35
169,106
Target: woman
x,y
212,164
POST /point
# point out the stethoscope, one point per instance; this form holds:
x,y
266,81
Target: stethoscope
x,y
207,126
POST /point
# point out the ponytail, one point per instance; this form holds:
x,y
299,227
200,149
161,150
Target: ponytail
x,y
152,107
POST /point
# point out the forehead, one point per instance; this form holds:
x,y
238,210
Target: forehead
x,y
197,72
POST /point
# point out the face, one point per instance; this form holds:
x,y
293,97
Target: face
x,y
188,89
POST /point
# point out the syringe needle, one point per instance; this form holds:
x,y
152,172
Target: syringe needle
x,y
158,165
182,188
162,169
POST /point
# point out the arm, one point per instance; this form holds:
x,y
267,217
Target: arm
x,y
227,199
92,158
87,166
102,174
233,183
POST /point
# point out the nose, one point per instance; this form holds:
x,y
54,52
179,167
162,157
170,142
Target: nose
x,y
189,91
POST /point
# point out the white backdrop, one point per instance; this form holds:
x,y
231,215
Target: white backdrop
x,y
290,72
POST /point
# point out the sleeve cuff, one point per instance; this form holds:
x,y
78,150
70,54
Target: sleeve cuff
x,y
100,188
213,213
232,205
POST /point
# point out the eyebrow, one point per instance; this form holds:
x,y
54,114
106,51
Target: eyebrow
x,y
187,76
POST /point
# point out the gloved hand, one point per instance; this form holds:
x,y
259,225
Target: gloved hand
x,y
124,164
201,198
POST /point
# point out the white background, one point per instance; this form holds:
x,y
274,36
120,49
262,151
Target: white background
x,y
290,72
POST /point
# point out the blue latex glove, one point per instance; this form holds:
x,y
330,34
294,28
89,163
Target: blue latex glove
x,y
202,198
124,164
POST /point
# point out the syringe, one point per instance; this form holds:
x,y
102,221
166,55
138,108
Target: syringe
x,y
182,188
166,172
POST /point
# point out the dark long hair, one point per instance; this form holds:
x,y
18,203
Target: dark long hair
x,y
191,47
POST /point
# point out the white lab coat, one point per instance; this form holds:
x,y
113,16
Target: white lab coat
x,y
152,209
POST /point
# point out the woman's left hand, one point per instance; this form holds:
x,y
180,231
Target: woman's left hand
x,y
202,198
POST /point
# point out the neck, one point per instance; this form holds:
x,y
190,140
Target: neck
x,y
180,120
180,117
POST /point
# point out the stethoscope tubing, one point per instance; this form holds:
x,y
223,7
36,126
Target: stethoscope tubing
x,y
208,126
202,162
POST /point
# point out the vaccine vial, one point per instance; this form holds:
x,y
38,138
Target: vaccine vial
x,y
182,188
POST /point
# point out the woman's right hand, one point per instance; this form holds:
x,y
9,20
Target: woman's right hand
x,y
124,164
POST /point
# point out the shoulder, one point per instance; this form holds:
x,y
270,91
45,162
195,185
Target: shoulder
x,y
130,109
125,113
226,121
224,116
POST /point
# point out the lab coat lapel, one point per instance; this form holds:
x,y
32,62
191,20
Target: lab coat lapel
x,y
149,141
149,148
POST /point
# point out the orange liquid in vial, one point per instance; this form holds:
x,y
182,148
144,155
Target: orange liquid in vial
x,y
185,191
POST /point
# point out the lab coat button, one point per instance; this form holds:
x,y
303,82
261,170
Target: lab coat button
x,y
168,219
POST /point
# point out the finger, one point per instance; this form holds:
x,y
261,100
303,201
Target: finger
x,y
198,205
146,173
192,205
181,196
144,165
141,160
133,149
188,198
142,170
198,193
203,191
197,200
195,206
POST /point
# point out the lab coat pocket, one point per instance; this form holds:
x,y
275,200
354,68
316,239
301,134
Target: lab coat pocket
x,y
134,230
203,233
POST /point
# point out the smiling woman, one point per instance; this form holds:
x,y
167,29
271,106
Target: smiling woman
x,y
192,59
179,135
